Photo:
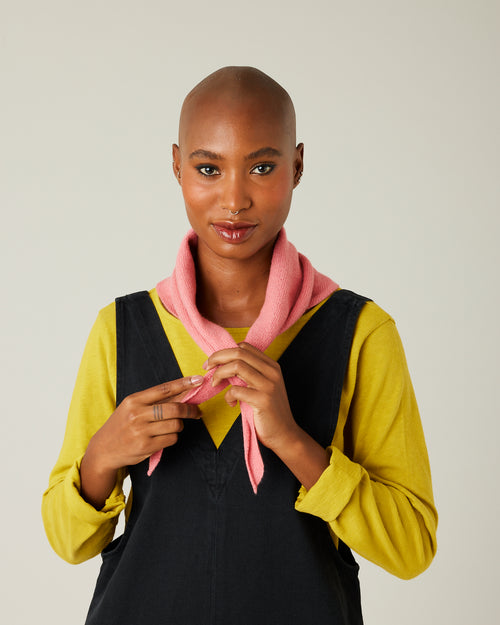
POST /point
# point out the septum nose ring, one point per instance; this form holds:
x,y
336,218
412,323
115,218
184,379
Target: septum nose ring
x,y
235,212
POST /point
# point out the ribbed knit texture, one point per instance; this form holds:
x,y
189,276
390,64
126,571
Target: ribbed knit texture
x,y
293,287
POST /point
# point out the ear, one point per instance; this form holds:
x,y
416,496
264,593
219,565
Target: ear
x,y
176,162
298,164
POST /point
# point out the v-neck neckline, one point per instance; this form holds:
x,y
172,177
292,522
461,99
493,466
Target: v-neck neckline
x,y
283,360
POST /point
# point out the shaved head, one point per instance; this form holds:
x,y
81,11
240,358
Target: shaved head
x,y
239,88
237,153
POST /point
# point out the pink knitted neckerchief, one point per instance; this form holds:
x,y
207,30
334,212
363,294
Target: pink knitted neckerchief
x,y
294,286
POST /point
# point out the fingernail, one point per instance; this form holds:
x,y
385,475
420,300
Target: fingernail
x,y
205,364
196,380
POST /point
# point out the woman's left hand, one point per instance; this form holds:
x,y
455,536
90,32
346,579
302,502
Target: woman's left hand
x,y
274,423
265,392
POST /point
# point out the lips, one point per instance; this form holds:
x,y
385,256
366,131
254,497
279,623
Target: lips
x,y
234,231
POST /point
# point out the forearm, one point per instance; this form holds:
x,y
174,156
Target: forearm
x,y
305,458
97,481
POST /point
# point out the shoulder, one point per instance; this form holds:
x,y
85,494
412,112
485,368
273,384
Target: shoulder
x,y
105,323
376,342
106,316
131,303
371,315
374,326
371,318
101,341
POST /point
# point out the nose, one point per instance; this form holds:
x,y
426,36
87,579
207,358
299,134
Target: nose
x,y
235,195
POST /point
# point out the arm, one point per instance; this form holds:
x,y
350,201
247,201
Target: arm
x,y
377,496
84,498
75,529
373,485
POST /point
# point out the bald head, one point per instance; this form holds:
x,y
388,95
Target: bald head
x,y
239,88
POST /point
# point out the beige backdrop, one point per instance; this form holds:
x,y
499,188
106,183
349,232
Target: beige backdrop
x,y
397,104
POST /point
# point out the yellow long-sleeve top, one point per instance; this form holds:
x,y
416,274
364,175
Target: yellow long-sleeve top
x,y
376,494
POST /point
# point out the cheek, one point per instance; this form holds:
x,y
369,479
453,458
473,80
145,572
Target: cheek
x,y
279,194
196,196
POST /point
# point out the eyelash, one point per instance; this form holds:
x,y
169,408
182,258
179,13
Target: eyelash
x,y
200,168
269,168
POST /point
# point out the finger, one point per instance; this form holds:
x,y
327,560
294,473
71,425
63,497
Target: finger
x,y
166,440
168,390
169,411
162,428
247,347
261,361
239,369
222,356
230,398
242,393
156,443
245,352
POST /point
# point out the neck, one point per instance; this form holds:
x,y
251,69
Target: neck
x,y
231,292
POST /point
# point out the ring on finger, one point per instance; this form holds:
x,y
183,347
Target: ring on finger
x,y
158,412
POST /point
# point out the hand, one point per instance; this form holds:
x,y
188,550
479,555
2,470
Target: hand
x,y
142,424
274,423
265,391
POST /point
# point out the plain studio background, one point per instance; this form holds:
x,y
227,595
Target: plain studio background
x,y
397,104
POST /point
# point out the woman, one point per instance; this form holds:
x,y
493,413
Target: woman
x,y
241,518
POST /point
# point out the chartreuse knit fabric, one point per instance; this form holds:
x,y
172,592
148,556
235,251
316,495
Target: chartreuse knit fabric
x,y
376,494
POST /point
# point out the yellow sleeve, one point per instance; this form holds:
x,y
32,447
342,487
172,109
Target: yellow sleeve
x,y
376,494
75,529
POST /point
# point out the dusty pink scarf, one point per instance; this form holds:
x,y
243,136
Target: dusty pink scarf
x,y
293,287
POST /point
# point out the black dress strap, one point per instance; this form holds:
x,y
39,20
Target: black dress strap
x,y
139,332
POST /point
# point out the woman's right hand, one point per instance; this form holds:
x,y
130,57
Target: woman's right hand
x,y
141,425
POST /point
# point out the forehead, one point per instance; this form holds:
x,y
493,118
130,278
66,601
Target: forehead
x,y
220,121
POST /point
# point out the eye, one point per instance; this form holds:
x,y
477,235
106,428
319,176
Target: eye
x,y
263,169
207,170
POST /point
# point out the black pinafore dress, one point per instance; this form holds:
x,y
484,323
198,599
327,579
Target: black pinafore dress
x,y
199,547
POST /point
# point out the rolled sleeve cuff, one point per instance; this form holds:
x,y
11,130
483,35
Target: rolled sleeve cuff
x,y
114,504
331,493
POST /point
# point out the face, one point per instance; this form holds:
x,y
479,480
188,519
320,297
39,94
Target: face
x,y
236,157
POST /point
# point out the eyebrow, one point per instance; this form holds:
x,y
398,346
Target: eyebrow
x,y
206,154
267,151
263,152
